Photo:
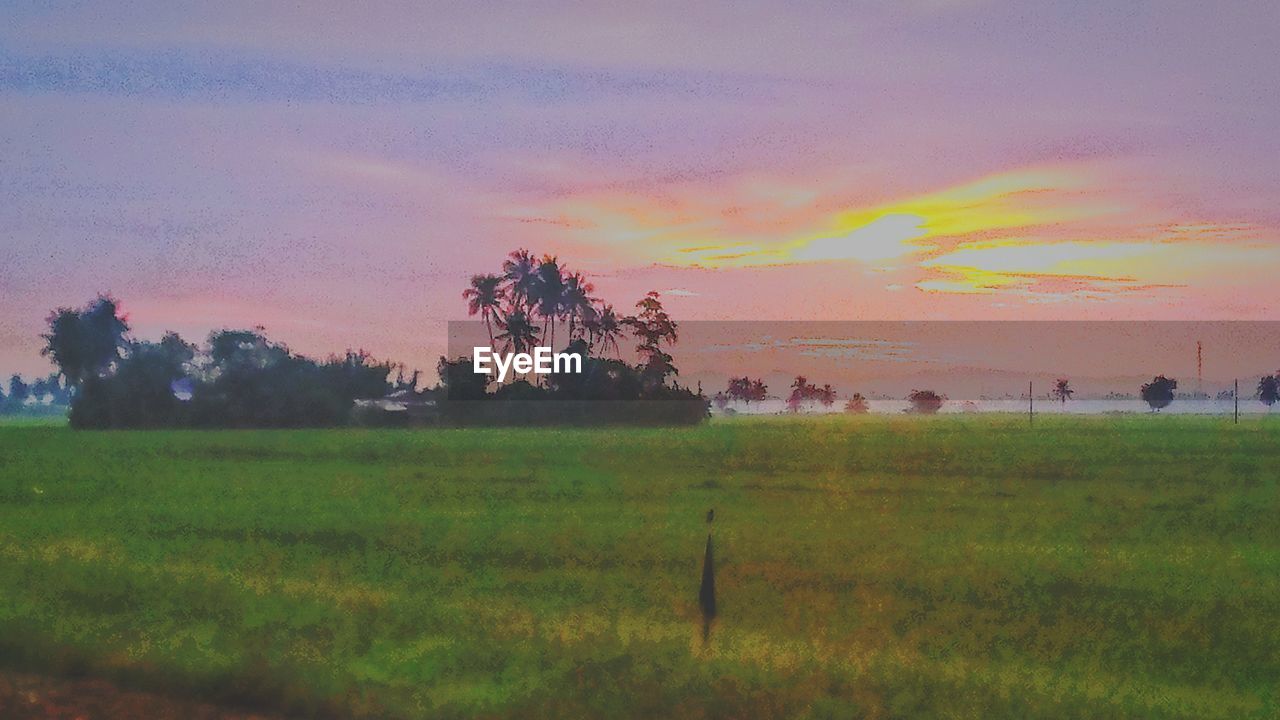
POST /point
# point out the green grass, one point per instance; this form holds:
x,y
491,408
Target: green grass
x,y
884,567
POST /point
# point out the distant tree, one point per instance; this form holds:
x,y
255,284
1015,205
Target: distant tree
x,y
801,391
19,390
1269,390
85,343
757,391
857,404
739,389
720,400
804,392
1062,390
40,390
926,402
483,299
827,396
1159,392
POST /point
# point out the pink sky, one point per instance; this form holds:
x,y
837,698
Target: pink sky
x,y
337,173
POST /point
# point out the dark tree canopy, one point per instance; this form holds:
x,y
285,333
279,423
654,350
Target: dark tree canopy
x,y
926,402
85,343
1159,392
1269,390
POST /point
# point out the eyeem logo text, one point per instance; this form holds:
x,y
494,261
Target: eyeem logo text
x,y
540,362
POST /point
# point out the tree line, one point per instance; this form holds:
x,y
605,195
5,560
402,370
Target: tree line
x,y
241,378
238,378
1158,394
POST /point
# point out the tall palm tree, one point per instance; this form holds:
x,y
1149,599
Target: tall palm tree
x,y
578,305
548,295
604,327
520,271
483,298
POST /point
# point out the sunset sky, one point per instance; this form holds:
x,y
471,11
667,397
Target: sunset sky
x,y
336,173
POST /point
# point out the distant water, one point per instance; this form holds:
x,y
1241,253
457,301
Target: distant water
x,y
1042,406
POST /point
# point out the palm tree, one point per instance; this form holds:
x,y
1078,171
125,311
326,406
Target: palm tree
x,y
518,333
1062,390
519,271
604,326
483,298
548,295
577,303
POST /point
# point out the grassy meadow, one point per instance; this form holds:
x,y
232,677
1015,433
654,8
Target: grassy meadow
x,y
873,566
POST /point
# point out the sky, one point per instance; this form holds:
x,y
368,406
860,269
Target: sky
x,y
336,173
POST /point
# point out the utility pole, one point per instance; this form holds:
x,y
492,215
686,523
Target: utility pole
x,y
1199,368
1235,395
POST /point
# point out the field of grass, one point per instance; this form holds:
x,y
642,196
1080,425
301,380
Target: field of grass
x,y
877,566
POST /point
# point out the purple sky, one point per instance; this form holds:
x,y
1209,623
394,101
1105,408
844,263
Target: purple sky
x,y
336,173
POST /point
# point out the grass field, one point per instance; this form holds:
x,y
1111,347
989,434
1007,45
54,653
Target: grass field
x,y
883,567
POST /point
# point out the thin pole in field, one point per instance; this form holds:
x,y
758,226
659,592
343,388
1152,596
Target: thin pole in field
x,y
1235,395
707,592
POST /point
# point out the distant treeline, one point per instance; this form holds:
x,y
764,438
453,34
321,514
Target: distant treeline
x,y
242,379
239,378
41,396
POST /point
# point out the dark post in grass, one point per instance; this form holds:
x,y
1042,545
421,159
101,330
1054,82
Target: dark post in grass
x,y
1031,403
1235,395
707,593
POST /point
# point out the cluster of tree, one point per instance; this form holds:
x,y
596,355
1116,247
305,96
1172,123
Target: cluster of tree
x,y
526,306
41,394
857,405
239,379
804,393
743,390
532,296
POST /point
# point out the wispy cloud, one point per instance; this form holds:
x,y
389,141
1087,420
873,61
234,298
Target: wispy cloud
x,y
224,76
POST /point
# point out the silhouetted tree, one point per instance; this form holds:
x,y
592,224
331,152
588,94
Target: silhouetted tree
x,y
653,327
483,298
827,396
801,391
577,303
1159,392
604,328
85,342
19,391
1062,390
857,404
520,271
926,402
548,296
1269,390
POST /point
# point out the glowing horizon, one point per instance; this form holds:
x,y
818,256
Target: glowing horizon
x,y
338,175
